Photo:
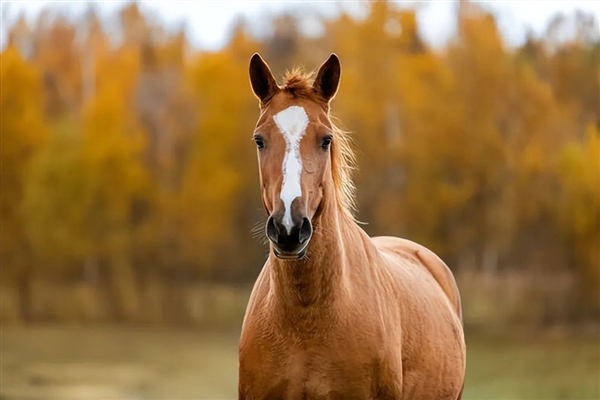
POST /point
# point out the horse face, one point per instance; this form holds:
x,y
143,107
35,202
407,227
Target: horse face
x,y
293,138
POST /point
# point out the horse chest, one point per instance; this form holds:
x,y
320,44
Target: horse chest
x,y
321,372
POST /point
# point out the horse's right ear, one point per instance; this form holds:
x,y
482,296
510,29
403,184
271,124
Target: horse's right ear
x,y
263,83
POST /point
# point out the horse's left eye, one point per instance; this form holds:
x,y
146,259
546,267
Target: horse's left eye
x,y
260,142
326,142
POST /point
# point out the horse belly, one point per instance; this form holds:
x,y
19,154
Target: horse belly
x,y
427,386
437,369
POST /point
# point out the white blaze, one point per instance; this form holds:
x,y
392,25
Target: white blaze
x,y
292,123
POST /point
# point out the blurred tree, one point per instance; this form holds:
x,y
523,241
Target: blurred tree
x,y
164,108
80,196
20,37
56,54
135,29
203,212
93,46
369,103
23,134
580,212
575,78
249,213
282,47
483,74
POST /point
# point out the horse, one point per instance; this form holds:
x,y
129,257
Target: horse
x,y
335,313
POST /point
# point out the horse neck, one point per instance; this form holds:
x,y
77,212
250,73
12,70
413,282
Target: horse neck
x,y
318,279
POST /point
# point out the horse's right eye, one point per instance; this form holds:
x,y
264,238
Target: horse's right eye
x,y
260,142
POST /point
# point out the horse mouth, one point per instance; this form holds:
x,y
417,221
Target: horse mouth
x,y
290,255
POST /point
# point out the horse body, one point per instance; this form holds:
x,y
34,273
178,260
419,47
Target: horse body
x,y
380,327
345,316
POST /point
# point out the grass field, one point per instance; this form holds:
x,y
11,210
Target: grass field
x,y
122,363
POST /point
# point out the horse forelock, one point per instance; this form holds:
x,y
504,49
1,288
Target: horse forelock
x,y
299,83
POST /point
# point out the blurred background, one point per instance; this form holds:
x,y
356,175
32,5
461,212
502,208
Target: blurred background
x,y
130,188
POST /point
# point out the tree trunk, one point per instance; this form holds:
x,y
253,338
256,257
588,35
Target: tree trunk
x,y
24,292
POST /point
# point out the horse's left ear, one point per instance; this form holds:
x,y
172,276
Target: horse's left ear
x,y
328,78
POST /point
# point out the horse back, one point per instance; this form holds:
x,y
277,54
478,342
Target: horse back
x,y
428,260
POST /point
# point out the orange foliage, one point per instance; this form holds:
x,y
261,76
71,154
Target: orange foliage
x,y
23,134
485,153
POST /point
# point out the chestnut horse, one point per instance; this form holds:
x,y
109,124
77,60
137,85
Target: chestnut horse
x,y
336,314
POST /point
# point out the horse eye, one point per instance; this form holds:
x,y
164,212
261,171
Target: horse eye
x,y
326,143
260,142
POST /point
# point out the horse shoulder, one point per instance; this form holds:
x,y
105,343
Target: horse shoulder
x,y
257,294
255,325
253,336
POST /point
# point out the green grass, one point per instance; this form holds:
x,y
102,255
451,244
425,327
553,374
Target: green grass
x,y
46,363
533,369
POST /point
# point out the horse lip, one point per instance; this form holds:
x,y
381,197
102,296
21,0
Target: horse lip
x,y
284,255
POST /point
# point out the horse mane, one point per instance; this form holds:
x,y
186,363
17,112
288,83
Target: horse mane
x,y
300,84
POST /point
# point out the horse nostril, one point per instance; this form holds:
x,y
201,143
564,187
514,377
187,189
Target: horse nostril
x,y
272,231
305,230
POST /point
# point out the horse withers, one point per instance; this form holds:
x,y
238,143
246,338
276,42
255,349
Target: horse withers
x,y
334,313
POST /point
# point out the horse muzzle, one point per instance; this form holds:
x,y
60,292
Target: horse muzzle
x,y
289,242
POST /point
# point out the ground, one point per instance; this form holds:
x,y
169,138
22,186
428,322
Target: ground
x,y
45,363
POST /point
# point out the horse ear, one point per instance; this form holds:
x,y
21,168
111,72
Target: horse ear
x,y
263,83
328,78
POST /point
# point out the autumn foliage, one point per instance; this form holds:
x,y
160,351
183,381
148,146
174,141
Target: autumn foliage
x,y
129,163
